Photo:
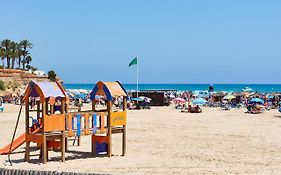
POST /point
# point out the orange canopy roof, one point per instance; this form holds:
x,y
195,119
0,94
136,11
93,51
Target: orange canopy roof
x,y
108,89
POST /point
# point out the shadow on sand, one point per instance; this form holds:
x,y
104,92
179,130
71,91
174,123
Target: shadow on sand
x,y
70,155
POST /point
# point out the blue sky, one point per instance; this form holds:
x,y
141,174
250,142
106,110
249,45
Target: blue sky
x,y
177,41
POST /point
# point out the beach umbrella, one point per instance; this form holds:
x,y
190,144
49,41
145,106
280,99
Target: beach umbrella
x,y
245,94
146,99
98,98
256,100
136,99
229,97
199,101
181,100
143,97
270,96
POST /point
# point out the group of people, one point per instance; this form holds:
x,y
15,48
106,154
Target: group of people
x,y
228,101
191,109
188,107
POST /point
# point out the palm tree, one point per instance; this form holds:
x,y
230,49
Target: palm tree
x,y
2,55
13,53
25,45
26,61
6,45
19,54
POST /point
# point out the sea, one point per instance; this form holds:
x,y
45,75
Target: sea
x,y
263,88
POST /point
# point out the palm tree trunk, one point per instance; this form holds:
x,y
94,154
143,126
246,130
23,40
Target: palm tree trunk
x,y
13,63
8,63
19,61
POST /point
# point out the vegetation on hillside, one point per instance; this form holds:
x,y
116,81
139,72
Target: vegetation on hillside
x,y
52,75
2,85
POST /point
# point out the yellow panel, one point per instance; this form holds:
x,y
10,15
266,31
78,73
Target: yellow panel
x,y
118,118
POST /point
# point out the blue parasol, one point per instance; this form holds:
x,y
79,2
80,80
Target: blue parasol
x,y
199,101
137,99
256,100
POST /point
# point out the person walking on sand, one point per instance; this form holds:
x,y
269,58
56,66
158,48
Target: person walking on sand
x,y
1,104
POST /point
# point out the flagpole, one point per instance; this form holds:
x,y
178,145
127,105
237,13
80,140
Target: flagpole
x,y
137,78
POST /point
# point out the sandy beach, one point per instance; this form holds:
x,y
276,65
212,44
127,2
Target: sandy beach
x,y
165,141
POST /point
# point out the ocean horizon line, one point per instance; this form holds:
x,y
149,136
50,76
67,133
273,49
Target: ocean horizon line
x,y
188,87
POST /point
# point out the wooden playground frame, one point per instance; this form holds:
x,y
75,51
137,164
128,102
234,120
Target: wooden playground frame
x,y
53,129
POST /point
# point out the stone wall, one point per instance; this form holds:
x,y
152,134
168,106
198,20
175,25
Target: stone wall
x,y
4,171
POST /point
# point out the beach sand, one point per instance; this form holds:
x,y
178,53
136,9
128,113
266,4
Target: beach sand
x,y
165,141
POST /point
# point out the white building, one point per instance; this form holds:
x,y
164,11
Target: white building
x,y
38,72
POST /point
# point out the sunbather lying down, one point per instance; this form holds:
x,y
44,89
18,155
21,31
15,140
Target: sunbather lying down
x,y
255,109
191,109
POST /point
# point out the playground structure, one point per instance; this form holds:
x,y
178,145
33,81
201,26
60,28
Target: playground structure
x,y
54,124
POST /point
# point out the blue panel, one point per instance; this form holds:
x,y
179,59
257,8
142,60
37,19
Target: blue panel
x,y
73,123
78,125
107,93
123,89
95,123
94,92
101,148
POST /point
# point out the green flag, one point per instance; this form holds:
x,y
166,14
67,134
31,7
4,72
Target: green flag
x,y
134,61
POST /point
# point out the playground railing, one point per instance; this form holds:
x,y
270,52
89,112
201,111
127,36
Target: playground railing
x,y
86,123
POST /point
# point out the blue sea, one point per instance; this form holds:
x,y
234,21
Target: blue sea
x,y
189,87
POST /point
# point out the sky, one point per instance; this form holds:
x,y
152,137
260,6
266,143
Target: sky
x,y
176,41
